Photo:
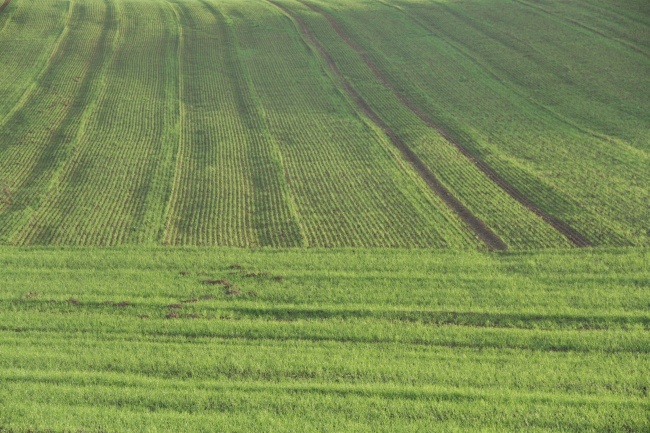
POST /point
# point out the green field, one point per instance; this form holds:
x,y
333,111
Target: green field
x,y
347,340
489,124
324,215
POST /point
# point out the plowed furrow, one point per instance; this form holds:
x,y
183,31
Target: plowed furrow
x,y
491,239
569,232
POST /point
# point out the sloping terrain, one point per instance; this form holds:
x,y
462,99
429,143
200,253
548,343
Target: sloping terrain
x,y
486,124
292,215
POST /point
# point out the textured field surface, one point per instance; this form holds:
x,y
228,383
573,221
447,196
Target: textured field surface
x,y
479,124
339,340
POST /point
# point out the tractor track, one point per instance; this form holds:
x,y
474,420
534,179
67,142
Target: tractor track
x,y
4,5
491,239
576,238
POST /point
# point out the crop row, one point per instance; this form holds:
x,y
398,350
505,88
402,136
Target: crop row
x,y
350,185
494,91
38,138
228,188
206,125
517,226
29,34
115,185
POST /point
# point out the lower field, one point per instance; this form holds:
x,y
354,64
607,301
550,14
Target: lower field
x,y
168,339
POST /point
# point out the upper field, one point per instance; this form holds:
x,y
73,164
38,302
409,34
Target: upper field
x,y
154,339
474,124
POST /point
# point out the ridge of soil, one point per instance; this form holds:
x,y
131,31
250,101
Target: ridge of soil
x,y
491,239
576,238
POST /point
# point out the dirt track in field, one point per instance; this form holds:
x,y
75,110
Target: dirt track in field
x,y
491,239
4,5
565,229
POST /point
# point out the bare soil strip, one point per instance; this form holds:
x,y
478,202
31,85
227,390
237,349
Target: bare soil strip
x,y
491,239
569,232
4,5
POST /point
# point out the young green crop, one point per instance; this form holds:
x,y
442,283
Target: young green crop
x,y
321,123
552,106
322,340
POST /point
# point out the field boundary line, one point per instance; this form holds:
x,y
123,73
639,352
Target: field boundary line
x,y
567,231
491,239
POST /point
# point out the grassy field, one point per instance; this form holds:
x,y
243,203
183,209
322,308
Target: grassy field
x,y
486,124
324,215
145,339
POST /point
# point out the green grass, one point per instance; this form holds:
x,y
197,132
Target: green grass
x,y
354,340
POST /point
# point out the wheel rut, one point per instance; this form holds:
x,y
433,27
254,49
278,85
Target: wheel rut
x,y
576,238
491,239
4,5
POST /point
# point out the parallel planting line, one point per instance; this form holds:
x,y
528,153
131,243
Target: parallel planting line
x,y
583,26
570,233
491,239
174,192
28,92
71,128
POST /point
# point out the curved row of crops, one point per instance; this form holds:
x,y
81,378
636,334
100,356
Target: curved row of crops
x,y
348,187
517,226
38,138
225,122
29,35
229,184
513,104
114,186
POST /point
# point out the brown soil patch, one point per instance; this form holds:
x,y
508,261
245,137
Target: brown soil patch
x,y
214,282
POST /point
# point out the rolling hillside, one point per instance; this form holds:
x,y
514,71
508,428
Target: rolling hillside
x,y
324,216
482,124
